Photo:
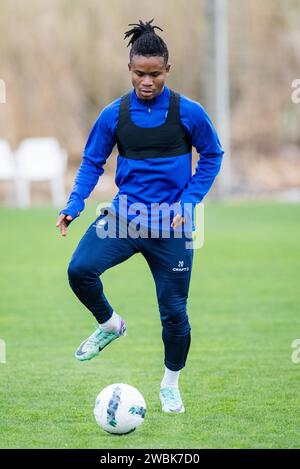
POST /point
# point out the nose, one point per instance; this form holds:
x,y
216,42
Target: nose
x,y
147,81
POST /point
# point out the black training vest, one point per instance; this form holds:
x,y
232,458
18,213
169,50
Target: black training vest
x,y
169,139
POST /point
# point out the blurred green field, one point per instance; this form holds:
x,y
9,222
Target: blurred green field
x,y
240,387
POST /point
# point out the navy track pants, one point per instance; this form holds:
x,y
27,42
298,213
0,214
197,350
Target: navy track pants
x,y
170,263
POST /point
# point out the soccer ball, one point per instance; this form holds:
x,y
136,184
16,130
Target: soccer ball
x,y
119,408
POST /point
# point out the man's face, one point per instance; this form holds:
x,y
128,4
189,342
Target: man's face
x,y
148,75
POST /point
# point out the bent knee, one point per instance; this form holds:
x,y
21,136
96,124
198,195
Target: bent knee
x,y
78,271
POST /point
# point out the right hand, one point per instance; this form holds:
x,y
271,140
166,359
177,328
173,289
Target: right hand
x,y
62,223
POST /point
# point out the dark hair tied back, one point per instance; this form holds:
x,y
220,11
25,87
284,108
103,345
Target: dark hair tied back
x,y
145,41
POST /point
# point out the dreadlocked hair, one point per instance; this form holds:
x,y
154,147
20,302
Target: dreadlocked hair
x,y
145,41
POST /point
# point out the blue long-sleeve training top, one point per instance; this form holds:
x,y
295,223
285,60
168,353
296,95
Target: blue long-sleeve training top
x,y
150,180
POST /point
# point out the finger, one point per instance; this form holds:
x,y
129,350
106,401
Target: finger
x,y
175,221
63,229
59,220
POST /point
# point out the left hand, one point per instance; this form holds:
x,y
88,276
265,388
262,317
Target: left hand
x,y
62,223
178,220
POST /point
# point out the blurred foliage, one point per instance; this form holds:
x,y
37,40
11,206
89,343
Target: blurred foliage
x,y
64,60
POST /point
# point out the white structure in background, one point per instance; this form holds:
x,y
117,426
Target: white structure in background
x,y
216,82
2,92
40,159
7,169
222,92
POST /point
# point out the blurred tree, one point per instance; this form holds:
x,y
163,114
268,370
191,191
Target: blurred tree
x,y
64,60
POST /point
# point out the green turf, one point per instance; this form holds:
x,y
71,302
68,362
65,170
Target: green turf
x,y
240,387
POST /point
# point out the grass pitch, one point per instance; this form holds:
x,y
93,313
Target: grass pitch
x,y
240,386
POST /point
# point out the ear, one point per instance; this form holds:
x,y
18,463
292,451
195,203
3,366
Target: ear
x,y
168,66
129,67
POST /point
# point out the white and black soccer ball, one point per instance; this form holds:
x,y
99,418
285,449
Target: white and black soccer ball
x,y
119,408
